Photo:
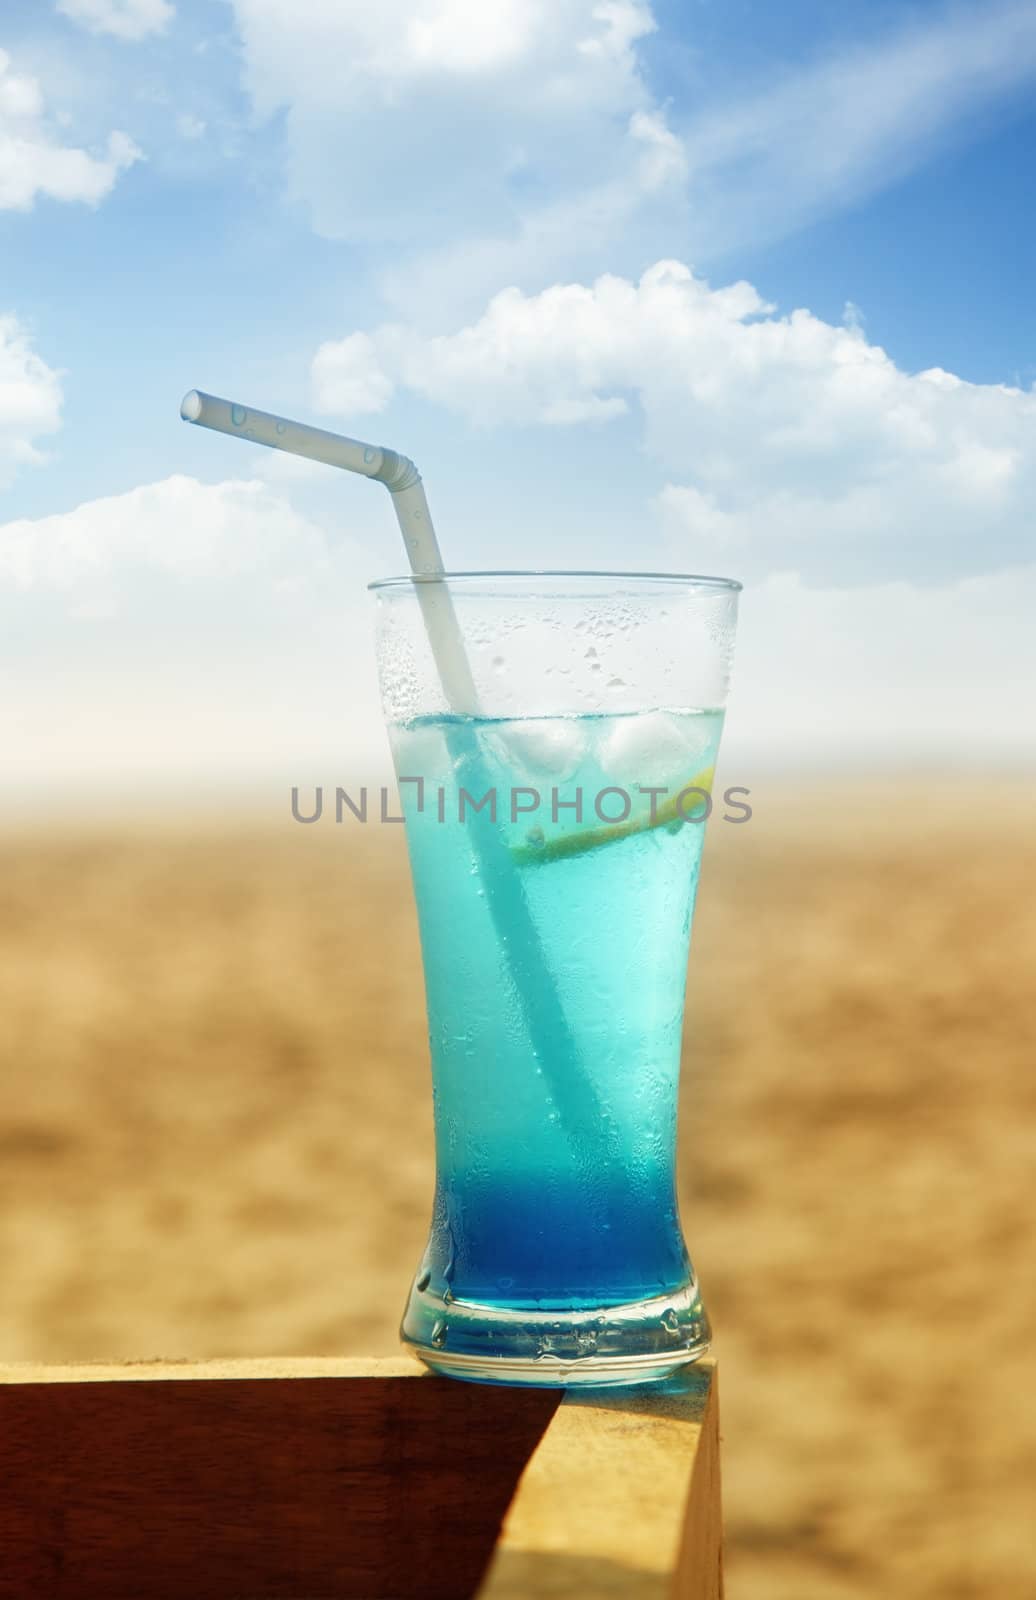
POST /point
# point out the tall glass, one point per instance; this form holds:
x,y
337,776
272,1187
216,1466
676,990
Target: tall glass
x,y
555,830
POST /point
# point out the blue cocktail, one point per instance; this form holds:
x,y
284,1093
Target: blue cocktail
x,y
555,860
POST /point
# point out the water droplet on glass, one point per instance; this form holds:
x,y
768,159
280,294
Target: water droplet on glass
x,y
671,1322
439,1335
423,1281
238,415
536,838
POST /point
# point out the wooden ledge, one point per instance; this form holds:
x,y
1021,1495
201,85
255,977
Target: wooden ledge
x,y
352,1480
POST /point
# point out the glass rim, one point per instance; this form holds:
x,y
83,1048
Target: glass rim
x,y
690,580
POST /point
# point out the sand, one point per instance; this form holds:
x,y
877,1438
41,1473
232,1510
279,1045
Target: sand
x,y
215,1139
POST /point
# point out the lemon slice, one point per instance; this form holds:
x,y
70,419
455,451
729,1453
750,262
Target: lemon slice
x,y
562,845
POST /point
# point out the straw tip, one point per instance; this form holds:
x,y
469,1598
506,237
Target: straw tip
x,y
190,406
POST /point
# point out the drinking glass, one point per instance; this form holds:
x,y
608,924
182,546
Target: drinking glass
x,y
555,826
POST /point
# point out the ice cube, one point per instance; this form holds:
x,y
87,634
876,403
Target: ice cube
x,y
543,749
654,748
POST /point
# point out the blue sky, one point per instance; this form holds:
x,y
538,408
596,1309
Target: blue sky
x,y
446,225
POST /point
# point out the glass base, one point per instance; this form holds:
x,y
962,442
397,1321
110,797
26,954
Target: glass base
x,y
641,1342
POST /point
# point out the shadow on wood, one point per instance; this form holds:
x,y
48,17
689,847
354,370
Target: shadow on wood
x,y
347,1481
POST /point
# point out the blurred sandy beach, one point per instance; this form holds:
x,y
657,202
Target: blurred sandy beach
x,y
215,1139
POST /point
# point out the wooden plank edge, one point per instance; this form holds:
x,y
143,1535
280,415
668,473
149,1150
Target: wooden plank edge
x,y
698,1573
619,1499
273,1367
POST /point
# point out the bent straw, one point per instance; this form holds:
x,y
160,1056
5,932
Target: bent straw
x,y
403,482
553,1043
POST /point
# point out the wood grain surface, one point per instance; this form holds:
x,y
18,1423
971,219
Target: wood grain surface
x,y
349,1480
621,1498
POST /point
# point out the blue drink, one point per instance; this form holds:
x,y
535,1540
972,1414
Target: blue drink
x,y
555,864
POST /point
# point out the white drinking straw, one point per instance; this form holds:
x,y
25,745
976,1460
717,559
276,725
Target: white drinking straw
x,y
403,481
552,1040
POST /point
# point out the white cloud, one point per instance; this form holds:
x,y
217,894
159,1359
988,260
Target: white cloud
x,y
125,19
404,43
176,529
186,632
787,442
464,36
30,399
520,141
406,120
737,163
347,377
664,159
762,163
33,160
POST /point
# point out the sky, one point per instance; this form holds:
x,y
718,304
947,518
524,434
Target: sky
x,y
689,286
